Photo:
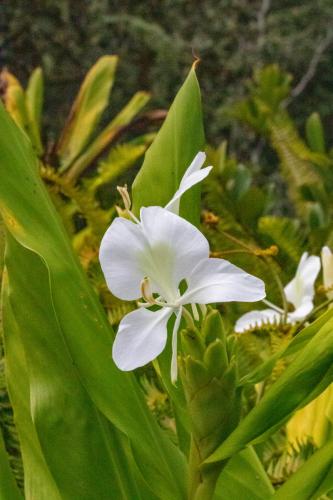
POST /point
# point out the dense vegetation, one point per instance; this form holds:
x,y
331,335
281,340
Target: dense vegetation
x,y
251,414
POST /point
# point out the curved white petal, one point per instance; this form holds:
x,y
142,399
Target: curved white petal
x,y
141,337
120,247
192,176
216,280
256,318
175,247
300,290
327,263
301,312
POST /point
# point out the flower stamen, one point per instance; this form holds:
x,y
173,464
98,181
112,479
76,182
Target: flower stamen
x,y
146,291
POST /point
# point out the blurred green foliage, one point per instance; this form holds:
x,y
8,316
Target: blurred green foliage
x,y
155,41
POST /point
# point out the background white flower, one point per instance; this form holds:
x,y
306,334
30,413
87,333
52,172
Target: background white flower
x,y
299,292
327,263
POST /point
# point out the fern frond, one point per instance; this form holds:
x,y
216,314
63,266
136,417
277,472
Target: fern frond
x,y
286,234
96,218
8,428
296,170
120,158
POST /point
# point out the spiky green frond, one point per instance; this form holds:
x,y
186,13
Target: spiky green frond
x,y
120,158
286,234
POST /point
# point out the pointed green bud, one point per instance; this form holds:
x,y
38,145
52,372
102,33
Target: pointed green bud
x,y
216,359
192,343
197,375
212,327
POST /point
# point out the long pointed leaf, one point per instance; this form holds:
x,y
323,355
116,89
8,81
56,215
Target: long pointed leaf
x,y
87,109
32,220
245,478
34,104
105,138
177,142
75,437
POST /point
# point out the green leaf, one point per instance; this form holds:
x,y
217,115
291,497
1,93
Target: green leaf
x,y
34,104
244,478
109,134
8,487
315,133
33,222
312,480
41,485
177,142
306,377
87,109
81,449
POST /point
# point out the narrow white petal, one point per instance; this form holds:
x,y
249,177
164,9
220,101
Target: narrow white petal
x,y
301,289
186,183
141,337
174,364
216,280
196,164
256,318
175,247
120,250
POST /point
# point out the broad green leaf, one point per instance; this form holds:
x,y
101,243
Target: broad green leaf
x,y
244,478
307,376
87,109
177,142
312,480
110,133
34,104
77,441
8,487
33,222
41,485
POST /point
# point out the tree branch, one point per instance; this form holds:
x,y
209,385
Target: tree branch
x,y
313,65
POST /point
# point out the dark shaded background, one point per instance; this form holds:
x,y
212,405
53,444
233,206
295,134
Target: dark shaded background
x,y
155,40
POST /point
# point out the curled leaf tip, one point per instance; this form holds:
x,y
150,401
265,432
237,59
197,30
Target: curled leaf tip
x,y
197,59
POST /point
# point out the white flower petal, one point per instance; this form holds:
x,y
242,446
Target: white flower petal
x,y
256,318
301,289
120,247
192,176
175,247
141,337
327,263
196,164
301,312
216,280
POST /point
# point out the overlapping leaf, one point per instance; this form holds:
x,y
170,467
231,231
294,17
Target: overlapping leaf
x,y
31,219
